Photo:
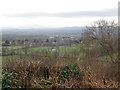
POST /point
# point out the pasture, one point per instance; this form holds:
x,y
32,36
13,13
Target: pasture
x,y
72,51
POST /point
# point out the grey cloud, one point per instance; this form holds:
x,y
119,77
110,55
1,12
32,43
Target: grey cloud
x,y
103,13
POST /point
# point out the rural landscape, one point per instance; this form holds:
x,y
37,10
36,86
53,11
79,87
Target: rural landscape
x,y
69,57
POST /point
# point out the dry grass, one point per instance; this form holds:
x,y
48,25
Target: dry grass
x,y
44,74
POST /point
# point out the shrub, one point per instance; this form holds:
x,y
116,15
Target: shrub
x,y
7,79
76,71
71,71
65,73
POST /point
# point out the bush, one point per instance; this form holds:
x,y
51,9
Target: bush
x,y
71,71
65,73
76,71
7,79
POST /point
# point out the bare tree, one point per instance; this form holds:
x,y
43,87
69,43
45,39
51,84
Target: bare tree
x,y
104,33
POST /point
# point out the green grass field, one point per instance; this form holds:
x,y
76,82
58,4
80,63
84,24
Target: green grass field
x,y
62,51
13,47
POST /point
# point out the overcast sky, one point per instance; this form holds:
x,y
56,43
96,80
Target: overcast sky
x,y
55,13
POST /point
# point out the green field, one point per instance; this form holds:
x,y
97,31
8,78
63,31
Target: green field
x,y
72,51
13,47
62,51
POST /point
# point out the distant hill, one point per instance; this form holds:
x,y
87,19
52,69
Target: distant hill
x,y
39,31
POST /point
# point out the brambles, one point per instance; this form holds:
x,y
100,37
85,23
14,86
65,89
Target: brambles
x,y
30,74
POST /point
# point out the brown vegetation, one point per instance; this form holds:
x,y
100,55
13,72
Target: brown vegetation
x,y
37,74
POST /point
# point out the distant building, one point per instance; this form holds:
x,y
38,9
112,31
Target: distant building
x,y
51,37
4,44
